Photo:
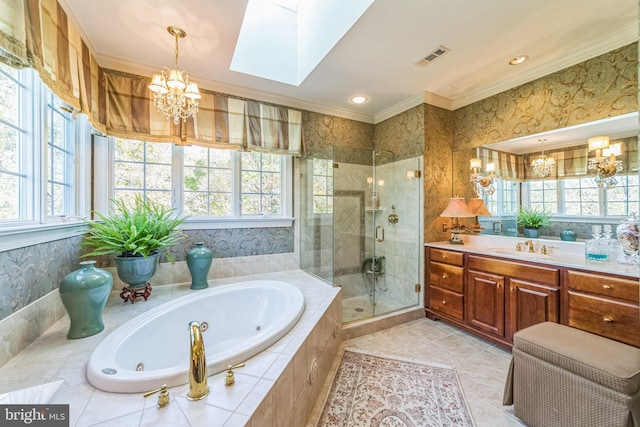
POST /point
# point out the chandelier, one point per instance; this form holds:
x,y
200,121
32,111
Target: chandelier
x,y
483,184
542,165
604,163
174,95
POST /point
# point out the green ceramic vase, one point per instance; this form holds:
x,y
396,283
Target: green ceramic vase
x,y
84,294
199,262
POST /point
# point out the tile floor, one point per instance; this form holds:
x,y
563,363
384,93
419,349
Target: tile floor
x,y
481,366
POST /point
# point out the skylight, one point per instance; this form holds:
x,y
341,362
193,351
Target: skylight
x,y
284,40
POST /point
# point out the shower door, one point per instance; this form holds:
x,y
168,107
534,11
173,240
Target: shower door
x,y
377,234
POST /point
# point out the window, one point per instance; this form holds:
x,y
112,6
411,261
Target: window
x,y
143,169
543,195
582,197
504,201
207,182
322,186
41,178
13,168
204,183
60,155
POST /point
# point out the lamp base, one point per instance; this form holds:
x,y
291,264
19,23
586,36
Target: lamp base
x,y
455,239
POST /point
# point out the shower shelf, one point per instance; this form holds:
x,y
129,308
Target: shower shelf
x,y
374,210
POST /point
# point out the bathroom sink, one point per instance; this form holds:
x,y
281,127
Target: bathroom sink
x,y
521,254
36,395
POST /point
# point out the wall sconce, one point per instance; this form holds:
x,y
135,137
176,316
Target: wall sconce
x,y
484,184
456,208
604,162
369,181
542,166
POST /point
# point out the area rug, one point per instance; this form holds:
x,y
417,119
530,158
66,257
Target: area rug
x,y
380,391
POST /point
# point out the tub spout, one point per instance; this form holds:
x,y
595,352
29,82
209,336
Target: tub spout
x,y
198,388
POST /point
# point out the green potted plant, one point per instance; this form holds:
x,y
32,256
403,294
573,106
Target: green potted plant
x,y
533,220
137,235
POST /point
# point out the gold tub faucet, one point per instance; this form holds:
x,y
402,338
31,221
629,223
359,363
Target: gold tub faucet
x,y
198,388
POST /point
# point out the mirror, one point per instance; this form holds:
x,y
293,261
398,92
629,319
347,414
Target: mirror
x,y
571,158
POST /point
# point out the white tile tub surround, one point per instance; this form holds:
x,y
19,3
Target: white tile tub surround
x,y
277,387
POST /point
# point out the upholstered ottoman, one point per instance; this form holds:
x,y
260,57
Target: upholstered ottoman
x,y
563,377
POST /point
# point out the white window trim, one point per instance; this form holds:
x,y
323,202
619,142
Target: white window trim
x,y
104,182
39,227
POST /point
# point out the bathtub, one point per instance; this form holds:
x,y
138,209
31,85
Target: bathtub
x,y
242,319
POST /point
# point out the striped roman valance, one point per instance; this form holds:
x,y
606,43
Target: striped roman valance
x,y
38,34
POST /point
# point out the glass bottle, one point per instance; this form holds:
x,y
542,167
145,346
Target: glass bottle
x,y
596,248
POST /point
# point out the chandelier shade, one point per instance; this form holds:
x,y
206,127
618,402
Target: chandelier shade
x,y
174,95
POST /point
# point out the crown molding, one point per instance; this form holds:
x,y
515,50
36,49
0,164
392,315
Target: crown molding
x,y
408,103
622,38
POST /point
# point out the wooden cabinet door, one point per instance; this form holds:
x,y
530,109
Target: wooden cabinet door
x,y
485,302
530,303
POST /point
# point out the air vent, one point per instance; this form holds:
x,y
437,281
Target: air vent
x,y
428,59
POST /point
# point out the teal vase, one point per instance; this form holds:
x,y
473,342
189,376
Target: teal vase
x,y
84,294
568,235
199,262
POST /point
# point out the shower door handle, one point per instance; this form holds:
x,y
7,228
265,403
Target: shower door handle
x,y
380,233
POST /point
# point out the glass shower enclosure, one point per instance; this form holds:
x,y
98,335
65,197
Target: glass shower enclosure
x,y
361,229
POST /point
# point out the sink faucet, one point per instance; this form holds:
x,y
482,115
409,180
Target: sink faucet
x,y
198,388
530,244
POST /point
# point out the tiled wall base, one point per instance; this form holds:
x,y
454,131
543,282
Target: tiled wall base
x,y
25,325
369,326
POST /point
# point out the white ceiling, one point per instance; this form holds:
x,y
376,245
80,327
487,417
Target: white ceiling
x,y
377,57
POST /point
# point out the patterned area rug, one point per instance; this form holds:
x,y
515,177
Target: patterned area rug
x,y
373,390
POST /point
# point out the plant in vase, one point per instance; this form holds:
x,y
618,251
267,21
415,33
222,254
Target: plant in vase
x,y
136,234
533,220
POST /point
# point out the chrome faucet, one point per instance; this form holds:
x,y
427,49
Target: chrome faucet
x,y
198,388
531,247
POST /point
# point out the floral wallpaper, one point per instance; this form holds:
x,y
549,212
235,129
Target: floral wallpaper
x,y
31,272
598,88
401,137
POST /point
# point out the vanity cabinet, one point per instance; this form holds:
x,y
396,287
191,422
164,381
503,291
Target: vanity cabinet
x,y
494,297
603,304
446,283
504,296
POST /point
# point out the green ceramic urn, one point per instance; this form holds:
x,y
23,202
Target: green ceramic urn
x,y
84,294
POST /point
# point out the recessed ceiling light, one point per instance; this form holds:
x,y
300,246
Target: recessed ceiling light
x,y
358,99
518,60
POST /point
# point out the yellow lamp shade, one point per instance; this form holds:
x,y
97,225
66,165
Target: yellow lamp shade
x,y
457,208
192,91
478,207
158,84
175,80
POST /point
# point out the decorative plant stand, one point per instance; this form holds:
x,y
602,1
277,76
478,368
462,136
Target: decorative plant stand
x,y
132,294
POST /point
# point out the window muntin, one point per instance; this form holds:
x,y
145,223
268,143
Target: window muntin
x,y
143,169
504,201
322,186
207,183
581,197
261,176
60,156
14,171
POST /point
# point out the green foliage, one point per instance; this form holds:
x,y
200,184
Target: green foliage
x,y
533,218
139,231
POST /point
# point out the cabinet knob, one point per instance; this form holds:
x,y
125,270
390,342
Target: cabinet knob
x,y
608,319
444,257
607,287
512,288
444,302
444,276
498,285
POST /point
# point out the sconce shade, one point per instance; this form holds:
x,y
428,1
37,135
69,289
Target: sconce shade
x,y
457,208
475,163
598,142
491,167
478,208
613,150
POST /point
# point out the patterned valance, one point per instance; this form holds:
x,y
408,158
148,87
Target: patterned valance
x,y
38,34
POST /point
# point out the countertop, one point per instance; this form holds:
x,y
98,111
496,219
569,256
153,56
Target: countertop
x,y
564,254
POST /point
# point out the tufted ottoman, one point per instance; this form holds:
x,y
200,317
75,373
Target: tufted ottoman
x,y
564,377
